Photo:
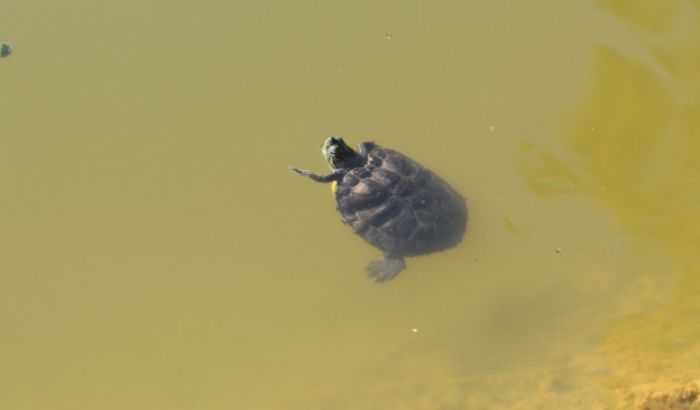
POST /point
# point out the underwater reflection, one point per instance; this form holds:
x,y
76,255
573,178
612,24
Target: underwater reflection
x,y
633,145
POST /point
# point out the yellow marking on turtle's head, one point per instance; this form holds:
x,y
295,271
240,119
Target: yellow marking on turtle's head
x,y
334,186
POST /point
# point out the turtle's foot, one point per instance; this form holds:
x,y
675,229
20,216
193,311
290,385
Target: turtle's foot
x,y
385,269
333,176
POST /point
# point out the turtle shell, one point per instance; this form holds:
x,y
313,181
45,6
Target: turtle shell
x,y
399,206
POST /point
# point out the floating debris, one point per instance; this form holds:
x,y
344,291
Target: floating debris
x,y
387,35
5,49
512,226
558,250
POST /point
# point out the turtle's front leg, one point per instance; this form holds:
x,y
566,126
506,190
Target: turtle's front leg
x,y
336,175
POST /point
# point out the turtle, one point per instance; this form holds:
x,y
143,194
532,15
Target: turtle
x,y
392,202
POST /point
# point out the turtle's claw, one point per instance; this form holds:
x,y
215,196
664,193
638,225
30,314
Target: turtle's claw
x,y
301,172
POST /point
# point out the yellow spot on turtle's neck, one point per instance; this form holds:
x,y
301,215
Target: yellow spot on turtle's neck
x,y
334,186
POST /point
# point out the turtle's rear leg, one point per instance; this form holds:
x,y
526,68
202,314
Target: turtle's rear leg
x,y
386,268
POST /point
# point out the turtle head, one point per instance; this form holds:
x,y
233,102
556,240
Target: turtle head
x,y
339,154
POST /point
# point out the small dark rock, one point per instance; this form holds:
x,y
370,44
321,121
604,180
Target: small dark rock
x,y
5,49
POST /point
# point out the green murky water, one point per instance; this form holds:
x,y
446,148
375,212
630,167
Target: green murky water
x,y
156,252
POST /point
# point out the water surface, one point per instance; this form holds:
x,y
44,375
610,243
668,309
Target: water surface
x,y
157,252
